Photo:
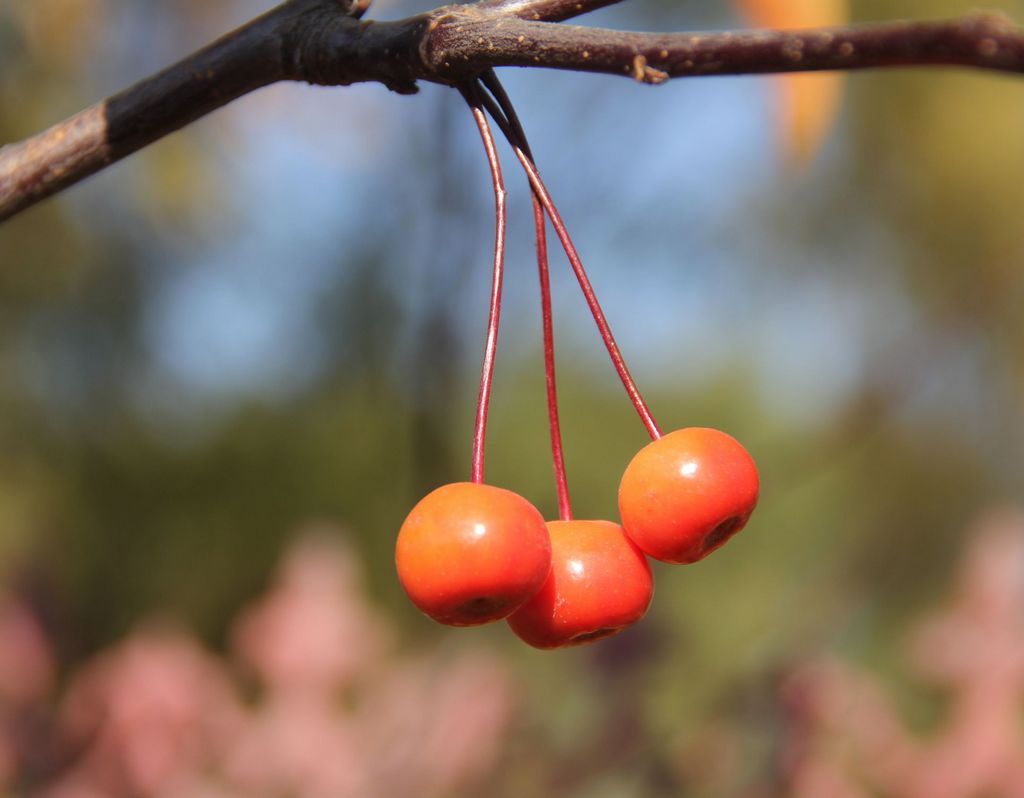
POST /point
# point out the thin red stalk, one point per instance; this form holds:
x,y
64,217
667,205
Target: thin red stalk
x,y
557,457
504,114
541,192
487,369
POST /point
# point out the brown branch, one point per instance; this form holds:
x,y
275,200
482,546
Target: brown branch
x,y
323,42
983,41
288,43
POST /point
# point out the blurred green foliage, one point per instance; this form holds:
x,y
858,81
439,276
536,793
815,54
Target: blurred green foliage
x,y
108,513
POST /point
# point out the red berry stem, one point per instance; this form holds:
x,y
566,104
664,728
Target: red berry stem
x,y
490,348
541,193
512,128
557,456
588,293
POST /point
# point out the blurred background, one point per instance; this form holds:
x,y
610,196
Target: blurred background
x,y
230,365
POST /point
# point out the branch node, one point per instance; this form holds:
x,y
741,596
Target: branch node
x,y
643,73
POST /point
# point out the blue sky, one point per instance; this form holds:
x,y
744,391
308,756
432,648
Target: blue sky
x,y
663,188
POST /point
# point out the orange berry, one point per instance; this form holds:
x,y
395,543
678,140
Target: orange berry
x,y
470,553
687,493
599,584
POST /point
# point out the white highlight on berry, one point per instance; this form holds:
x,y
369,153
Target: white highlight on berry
x,y
689,468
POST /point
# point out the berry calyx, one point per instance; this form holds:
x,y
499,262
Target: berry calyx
x,y
470,553
599,584
685,494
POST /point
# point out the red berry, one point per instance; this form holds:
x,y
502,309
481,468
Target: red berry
x,y
470,553
687,493
599,584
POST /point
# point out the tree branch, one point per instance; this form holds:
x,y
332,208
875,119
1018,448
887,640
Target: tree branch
x,y
324,42
76,148
983,41
319,41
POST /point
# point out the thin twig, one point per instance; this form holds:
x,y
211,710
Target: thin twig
x,y
98,136
472,44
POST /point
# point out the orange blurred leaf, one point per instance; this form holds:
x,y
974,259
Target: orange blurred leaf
x,y
807,105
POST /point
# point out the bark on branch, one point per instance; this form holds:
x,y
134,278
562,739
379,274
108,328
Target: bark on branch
x,y
325,42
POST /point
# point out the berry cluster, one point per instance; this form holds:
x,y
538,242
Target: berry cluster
x,y
471,553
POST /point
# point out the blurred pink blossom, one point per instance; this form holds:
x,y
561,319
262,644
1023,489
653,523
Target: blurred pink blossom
x,y
27,673
338,718
26,661
313,631
144,713
298,745
433,724
846,738
337,713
